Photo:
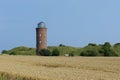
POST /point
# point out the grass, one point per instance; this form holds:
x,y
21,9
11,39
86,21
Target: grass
x,y
59,68
23,50
65,49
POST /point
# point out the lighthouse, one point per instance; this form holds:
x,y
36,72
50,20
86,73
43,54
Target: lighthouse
x,y
41,37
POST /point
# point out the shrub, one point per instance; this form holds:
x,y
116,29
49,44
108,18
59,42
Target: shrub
x,y
89,53
4,52
55,52
107,50
101,52
12,53
110,52
71,54
45,52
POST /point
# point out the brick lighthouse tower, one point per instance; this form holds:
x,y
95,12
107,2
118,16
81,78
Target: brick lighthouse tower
x,y
41,37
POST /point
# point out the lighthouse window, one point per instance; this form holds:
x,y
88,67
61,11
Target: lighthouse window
x,y
40,42
40,35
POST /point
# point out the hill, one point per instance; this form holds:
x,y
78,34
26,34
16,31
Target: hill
x,y
23,50
91,49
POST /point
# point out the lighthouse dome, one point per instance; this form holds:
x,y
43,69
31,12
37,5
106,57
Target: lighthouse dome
x,y
41,25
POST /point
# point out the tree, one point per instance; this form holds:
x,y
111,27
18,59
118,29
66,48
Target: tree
x,y
4,52
107,50
107,45
45,52
61,45
55,52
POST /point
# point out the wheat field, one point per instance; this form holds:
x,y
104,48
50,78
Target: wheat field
x,y
59,68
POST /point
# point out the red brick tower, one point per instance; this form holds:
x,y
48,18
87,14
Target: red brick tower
x,y
41,37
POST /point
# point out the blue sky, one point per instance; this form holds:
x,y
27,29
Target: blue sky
x,y
70,22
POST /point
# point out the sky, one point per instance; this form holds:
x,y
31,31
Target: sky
x,y
69,22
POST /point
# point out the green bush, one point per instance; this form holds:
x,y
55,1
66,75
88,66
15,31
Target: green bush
x,y
45,52
107,50
71,54
4,52
22,50
110,52
89,53
12,53
55,52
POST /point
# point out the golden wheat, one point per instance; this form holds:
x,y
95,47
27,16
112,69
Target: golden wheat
x,y
60,68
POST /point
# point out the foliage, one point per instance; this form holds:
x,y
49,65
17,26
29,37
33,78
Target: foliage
x,y
65,49
116,48
92,44
55,52
89,53
45,52
22,50
12,53
4,52
117,44
91,49
71,54
107,50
